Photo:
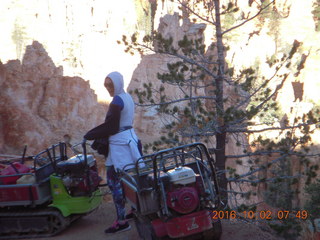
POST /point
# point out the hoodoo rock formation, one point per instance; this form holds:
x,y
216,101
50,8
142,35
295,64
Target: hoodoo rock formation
x,y
148,120
39,106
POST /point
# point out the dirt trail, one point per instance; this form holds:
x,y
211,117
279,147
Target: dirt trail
x,y
91,227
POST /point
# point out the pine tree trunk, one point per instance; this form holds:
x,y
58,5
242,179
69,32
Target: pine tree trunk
x,y
220,153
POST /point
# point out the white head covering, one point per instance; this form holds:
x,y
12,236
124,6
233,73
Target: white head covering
x,y
117,80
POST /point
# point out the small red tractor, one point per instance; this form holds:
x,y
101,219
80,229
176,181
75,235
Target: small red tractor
x,y
41,195
174,193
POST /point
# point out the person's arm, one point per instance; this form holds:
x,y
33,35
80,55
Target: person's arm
x,y
111,124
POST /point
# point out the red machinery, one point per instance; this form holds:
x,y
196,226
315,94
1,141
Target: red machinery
x,y
43,198
174,192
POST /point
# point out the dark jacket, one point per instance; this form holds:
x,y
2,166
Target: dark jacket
x,y
101,133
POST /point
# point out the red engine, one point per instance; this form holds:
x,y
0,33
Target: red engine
x,y
183,191
183,200
75,178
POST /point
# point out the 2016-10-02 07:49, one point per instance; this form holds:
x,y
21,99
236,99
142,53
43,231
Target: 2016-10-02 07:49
x,y
260,215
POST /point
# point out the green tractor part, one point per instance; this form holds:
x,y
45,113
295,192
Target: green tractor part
x,y
68,204
43,199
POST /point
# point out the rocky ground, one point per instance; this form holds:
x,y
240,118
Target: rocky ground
x,y
93,225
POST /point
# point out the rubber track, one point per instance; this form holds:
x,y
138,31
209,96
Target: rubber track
x,y
55,223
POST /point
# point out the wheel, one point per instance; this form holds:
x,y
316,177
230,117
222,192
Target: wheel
x,y
214,233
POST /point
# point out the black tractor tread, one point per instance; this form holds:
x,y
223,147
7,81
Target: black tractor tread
x,y
52,222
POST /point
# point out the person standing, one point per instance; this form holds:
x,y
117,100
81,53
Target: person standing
x,y
117,140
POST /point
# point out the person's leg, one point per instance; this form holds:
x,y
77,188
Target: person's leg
x,y
114,184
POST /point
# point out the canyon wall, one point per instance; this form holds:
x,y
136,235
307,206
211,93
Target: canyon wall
x,y
81,36
39,106
55,55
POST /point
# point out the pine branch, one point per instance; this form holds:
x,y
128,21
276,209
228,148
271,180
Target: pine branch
x,y
174,101
176,55
263,180
263,167
248,20
197,14
245,130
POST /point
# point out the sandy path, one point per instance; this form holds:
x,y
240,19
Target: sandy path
x,y
91,227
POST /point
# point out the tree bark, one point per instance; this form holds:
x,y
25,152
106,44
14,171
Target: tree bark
x,y
220,152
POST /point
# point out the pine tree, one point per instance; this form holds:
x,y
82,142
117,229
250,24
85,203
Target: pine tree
x,y
218,102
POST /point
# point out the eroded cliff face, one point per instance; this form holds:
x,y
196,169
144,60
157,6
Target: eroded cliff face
x,y
81,36
39,106
148,122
